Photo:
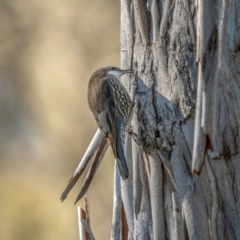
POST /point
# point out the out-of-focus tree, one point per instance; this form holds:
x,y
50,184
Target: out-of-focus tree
x,y
47,53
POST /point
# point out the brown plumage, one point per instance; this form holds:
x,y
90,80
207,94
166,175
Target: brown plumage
x,y
111,106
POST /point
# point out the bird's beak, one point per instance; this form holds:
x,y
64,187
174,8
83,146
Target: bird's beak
x,y
128,71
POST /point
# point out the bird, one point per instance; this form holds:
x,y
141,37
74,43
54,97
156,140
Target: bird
x,y
112,109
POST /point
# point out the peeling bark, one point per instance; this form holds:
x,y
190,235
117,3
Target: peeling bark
x,y
117,207
186,89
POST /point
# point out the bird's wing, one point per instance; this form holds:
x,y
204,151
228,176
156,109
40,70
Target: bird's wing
x,y
104,114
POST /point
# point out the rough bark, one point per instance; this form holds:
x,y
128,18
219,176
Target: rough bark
x,y
186,56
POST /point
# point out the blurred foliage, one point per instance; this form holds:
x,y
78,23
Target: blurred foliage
x,y
48,50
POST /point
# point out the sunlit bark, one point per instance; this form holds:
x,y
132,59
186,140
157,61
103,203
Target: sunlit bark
x,y
186,57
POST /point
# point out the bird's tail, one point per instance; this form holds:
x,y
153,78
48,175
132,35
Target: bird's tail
x,y
117,146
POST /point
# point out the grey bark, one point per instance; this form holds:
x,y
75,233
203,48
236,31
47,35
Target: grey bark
x,y
186,56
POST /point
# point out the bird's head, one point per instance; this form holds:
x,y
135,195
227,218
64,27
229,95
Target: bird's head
x,y
109,71
117,72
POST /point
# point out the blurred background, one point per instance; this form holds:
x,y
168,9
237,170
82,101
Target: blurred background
x,y
48,50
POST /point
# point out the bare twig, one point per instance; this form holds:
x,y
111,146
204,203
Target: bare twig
x,y
117,207
81,214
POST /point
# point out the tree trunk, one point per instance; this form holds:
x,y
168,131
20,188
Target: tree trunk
x,y
186,57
